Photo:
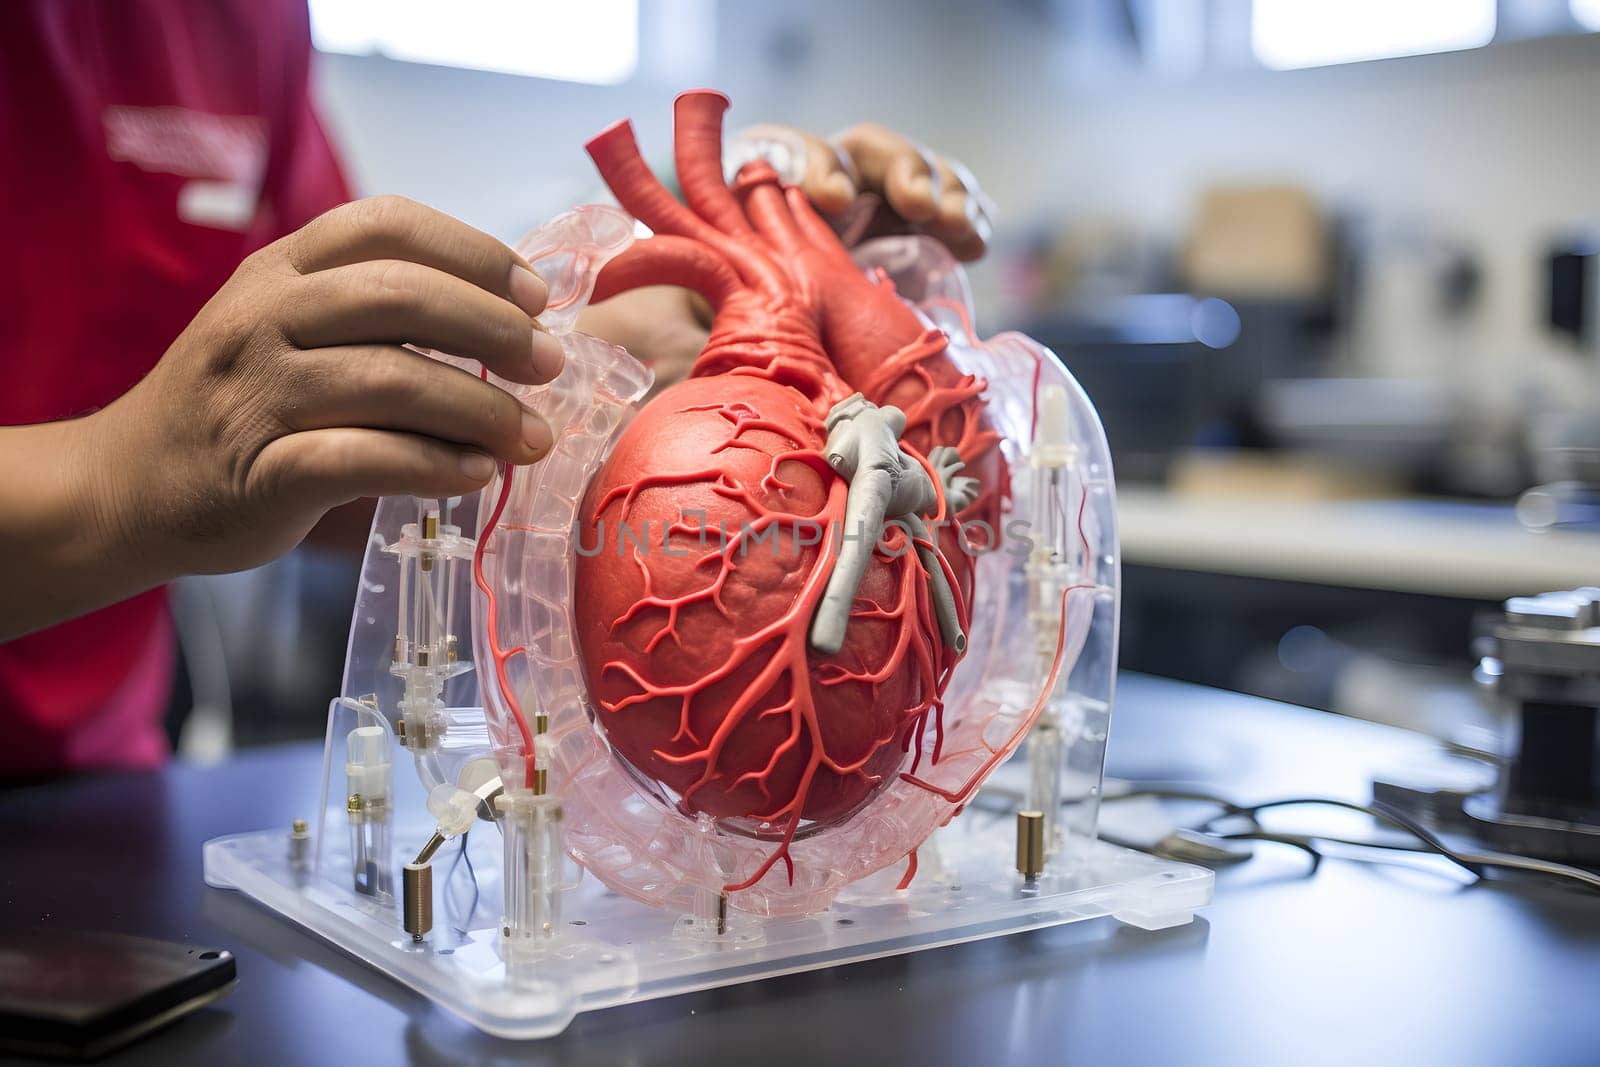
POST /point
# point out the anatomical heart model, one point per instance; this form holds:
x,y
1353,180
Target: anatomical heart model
x,y
726,686
756,639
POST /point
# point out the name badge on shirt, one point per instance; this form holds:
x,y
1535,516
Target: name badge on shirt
x,y
225,157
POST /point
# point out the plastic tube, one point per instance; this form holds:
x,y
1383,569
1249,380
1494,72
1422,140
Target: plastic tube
x,y
531,826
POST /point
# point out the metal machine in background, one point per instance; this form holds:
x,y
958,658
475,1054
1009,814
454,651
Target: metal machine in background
x,y
1172,371
1542,660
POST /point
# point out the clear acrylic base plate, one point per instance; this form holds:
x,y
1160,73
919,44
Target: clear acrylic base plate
x,y
612,950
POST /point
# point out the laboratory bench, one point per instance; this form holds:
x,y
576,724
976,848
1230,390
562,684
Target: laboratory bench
x,y
1445,548
1359,962
1351,605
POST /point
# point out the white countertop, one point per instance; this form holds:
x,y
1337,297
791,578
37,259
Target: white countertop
x,y
1438,547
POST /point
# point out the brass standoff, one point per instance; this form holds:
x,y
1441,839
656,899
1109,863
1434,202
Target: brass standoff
x,y
1030,844
541,726
451,649
354,805
430,532
416,882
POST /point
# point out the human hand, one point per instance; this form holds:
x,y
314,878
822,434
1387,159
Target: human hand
x,y
911,189
663,326
290,393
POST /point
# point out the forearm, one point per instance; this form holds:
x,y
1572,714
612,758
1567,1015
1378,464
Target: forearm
x,y
64,549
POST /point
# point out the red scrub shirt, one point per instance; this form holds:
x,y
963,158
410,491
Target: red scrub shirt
x,y
146,146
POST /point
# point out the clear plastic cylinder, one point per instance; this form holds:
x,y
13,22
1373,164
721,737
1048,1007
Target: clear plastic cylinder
x,y
371,851
368,806
531,828
1044,772
710,913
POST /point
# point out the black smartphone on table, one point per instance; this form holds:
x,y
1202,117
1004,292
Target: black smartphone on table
x,y
81,994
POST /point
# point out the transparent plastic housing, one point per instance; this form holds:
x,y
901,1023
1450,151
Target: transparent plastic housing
x,y
441,677
1054,563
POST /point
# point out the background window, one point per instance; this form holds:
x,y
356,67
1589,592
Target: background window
x,y
1312,33
596,41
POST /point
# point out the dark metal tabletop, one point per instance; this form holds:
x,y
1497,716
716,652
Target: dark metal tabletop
x,y
1357,963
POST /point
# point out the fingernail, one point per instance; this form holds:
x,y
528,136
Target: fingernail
x,y
528,290
477,466
536,432
548,357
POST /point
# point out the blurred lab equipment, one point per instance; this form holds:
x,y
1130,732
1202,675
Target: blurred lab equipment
x,y
1542,663
1566,446
1157,363
1575,290
1176,343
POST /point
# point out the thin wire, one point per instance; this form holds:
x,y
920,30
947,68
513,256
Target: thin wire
x,y
1473,861
473,874
1377,811
460,924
